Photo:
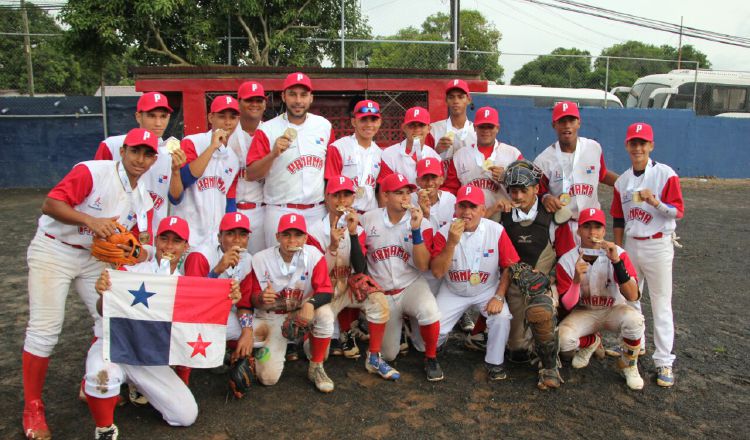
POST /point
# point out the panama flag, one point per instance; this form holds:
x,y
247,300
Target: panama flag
x,y
165,320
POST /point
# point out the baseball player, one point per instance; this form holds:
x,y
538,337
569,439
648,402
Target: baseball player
x,y
90,200
345,256
402,158
473,256
449,135
291,278
247,195
162,180
210,171
228,259
646,203
160,384
398,243
289,152
595,280
573,166
357,156
482,164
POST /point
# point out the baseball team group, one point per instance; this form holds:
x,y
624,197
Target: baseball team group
x,y
340,247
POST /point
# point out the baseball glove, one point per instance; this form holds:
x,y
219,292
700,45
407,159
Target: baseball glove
x,y
295,327
241,376
361,286
106,249
529,282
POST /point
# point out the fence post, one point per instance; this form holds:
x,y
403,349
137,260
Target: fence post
x,y
104,107
695,88
606,83
27,48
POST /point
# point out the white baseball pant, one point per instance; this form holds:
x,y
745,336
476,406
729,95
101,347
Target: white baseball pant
x,y
416,301
257,240
375,306
621,319
274,213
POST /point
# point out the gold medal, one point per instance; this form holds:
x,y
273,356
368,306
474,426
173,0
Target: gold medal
x,y
290,133
637,197
172,145
565,199
450,135
474,279
487,164
360,192
167,256
144,237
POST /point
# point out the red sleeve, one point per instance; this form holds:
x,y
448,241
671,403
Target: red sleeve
x,y
672,195
255,293
615,210
629,267
331,136
246,288
427,238
259,147
103,153
74,187
438,244
189,148
196,265
508,254
451,184
313,242
232,191
563,280
385,171
520,156
334,163
602,168
564,240
321,282
543,185
362,241
429,140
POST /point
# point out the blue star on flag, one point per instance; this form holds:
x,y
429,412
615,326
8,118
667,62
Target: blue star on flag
x,y
141,295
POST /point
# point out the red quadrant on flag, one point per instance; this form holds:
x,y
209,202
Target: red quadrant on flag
x,y
202,300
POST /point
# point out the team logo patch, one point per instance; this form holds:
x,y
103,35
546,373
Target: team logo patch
x,y
488,252
97,205
228,170
590,169
163,178
319,141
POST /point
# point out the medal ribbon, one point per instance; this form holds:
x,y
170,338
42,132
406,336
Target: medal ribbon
x,y
520,216
473,243
137,199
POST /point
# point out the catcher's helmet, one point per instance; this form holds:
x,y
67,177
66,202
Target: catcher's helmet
x,y
522,173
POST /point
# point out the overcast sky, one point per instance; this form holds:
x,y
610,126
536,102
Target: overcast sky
x,y
529,28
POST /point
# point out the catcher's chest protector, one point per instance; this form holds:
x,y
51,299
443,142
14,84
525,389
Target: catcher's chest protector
x,y
529,241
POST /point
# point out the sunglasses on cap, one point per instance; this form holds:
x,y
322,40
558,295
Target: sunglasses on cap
x,y
366,110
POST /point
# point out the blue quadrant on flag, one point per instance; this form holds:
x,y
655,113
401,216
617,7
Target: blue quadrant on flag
x,y
137,342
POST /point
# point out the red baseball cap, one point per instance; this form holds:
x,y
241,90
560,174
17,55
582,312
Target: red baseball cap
x,y
340,183
417,114
175,224
640,130
486,115
234,220
251,89
224,102
394,182
292,221
429,165
151,100
470,193
366,108
565,108
141,136
457,84
591,215
297,79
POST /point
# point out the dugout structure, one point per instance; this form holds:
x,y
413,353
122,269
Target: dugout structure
x,y
191,89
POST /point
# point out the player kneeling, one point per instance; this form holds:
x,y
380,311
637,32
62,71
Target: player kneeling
x,y
594,281
159,384
291,294
475,254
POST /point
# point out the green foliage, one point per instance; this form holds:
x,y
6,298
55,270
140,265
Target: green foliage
x,y
556,71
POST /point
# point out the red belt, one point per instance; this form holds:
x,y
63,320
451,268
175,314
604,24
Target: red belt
x,y
76,246
657,235
393,292
249,205
301,206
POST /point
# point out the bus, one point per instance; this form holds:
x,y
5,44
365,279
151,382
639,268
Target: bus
x,y
549,96
707,92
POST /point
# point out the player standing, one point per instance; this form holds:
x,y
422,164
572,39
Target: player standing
x,y
90,200
210,171
248,194
398,243
402,158
289,152
646,204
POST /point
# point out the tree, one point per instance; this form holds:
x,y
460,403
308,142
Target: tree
x,y
476,34
556,71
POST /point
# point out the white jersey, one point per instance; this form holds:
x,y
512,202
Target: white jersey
x,y
297,175
390,259
599,288
347,158
213,254
642,219
397,161
156,179
462,137
247,191
295,281
486,251
154,267
469,169
580,171
107,197
205,201
339,265
441,212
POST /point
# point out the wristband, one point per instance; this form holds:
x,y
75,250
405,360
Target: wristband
x,y
212,274
246,320
416,237
620,272
499,298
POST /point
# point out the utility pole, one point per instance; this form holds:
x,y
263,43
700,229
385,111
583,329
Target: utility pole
x,y
679,45
455,11
27,47
343,29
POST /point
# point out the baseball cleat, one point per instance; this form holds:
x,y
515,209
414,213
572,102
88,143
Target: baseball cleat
x,y
334,348
549,378
496,372
632,377
135,397
476,342
106,433
583,355
664,376
292,353
433,370
360,330
349,345
466,322
376,365
317,374
34,422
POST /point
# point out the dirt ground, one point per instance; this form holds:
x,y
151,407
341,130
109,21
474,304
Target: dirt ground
x,y
711,397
